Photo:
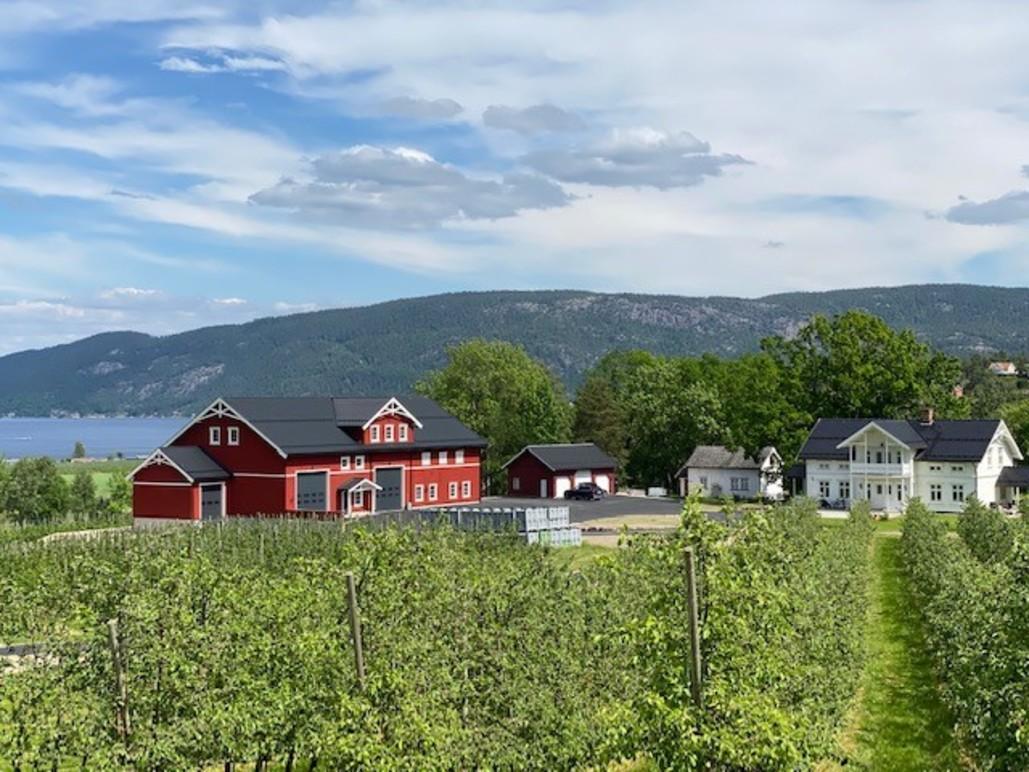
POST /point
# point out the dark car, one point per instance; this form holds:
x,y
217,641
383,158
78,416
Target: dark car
x,y
586,492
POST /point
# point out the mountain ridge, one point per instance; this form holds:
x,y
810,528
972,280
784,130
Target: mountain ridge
x,y
387,346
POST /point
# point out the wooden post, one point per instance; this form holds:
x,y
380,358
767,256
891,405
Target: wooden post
x,y
124,727
355,629
696,690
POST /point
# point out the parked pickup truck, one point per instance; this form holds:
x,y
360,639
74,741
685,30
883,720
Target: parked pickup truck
x,y
586,492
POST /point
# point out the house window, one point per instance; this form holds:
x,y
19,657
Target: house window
x,y
442,457
427,458
845,489
936,492
419,493
466,489
344,463
516,484
389,432
739,484
452,490
402,432
359,462
458,456
703,481
878,456
957,469
957,492
879,490
374,434
214,435
853,452
823,466
358,498
234,435
823,489
433,491
935,468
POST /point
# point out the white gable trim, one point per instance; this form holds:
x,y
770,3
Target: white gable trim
x,y
846,443
1004,433
222,409
365,485
393,408
160,458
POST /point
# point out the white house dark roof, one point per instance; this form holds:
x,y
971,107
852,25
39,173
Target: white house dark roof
x,y
195,462
569,457
720,457
943,440
304,425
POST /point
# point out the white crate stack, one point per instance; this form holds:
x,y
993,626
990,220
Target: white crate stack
x,y
537,525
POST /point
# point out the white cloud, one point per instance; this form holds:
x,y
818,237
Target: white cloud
x,y
532,120
421,109
229,301
133,293
222,63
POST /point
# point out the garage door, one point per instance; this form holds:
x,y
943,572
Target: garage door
x,y
561,484
603,482
583,476
211,502
391,497
311,491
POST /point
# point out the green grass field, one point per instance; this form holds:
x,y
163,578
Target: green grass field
x,y
102,472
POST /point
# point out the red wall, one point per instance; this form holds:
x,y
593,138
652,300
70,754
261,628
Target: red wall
x,y
174,502
530,470
252,454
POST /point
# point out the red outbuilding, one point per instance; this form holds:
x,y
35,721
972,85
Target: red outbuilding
x,y
547,471
270,455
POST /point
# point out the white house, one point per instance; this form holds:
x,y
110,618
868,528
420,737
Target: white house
x,y
889,462
1003,368
717,471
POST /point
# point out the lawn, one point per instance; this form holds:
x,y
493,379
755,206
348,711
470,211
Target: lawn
x,y
101,471
898,721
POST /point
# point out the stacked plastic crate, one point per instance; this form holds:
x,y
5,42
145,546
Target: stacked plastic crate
x,y
537,525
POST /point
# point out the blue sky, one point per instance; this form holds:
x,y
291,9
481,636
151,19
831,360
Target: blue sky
x,y
167,164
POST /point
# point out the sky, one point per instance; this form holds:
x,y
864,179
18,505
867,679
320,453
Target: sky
x,y
170,164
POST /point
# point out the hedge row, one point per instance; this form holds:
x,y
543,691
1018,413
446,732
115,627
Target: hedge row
x,y
973,592
481,651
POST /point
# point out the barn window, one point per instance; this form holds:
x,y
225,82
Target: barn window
x,y
458,456
427,458
389,432
402,432
358,462
419,493
214,435
452,490
466,489
516,484
375,434
234,435
442,457
433,492
344,463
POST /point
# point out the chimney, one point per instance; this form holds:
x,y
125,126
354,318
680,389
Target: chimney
x,y
927,416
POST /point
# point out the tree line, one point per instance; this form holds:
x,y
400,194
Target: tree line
x,y
650,411
33,491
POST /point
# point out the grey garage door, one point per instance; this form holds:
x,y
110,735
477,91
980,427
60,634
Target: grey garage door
x,y
391,496
211,502
311,491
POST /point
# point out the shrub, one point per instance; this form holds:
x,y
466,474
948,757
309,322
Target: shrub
x,y
987,532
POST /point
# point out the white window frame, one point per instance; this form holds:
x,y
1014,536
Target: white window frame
x,y
214,435
452,491
957,492
824,489
419,493
402,433
442,458
936,492
358,500
433,491
844,488
458,456
233,436
466,489
344,463
373,434
359,463
388,435
427,458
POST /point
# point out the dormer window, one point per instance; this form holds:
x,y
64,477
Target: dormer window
x,y
402,432
234,435
389,432
214,435
344,463
374,434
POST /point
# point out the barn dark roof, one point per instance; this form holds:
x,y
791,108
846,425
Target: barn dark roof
x,y
195,462
303,425
965,440
558,458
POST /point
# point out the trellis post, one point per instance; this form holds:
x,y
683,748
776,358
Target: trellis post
x,y
693,610
355,629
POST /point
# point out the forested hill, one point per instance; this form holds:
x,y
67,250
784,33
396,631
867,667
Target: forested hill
x,y
388,346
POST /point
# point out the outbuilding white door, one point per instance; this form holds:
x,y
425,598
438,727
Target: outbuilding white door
x,y
603,482
543,488
583,476
561,484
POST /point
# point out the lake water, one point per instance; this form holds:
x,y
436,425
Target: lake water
x,y
56,437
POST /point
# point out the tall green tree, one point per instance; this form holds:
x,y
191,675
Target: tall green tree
x,y
79,451
505,395
35,491
82,499
119,494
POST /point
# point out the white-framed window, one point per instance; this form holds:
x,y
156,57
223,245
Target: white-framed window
x,y
458,456
739,484
419,493
823,466
389,432
935,468
433,491
402,432
844,489
452,490
358,498
957,469
957,492
344,463
373,435
359,462
442,457
853,452
703,481
935,492
516,483
466,489
842,467
427,458
234,435
214,435
823,489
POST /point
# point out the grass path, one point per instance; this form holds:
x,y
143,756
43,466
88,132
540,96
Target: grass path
x,y
898,722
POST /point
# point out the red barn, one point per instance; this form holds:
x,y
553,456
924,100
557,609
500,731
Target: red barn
x,y
547,471
269,455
